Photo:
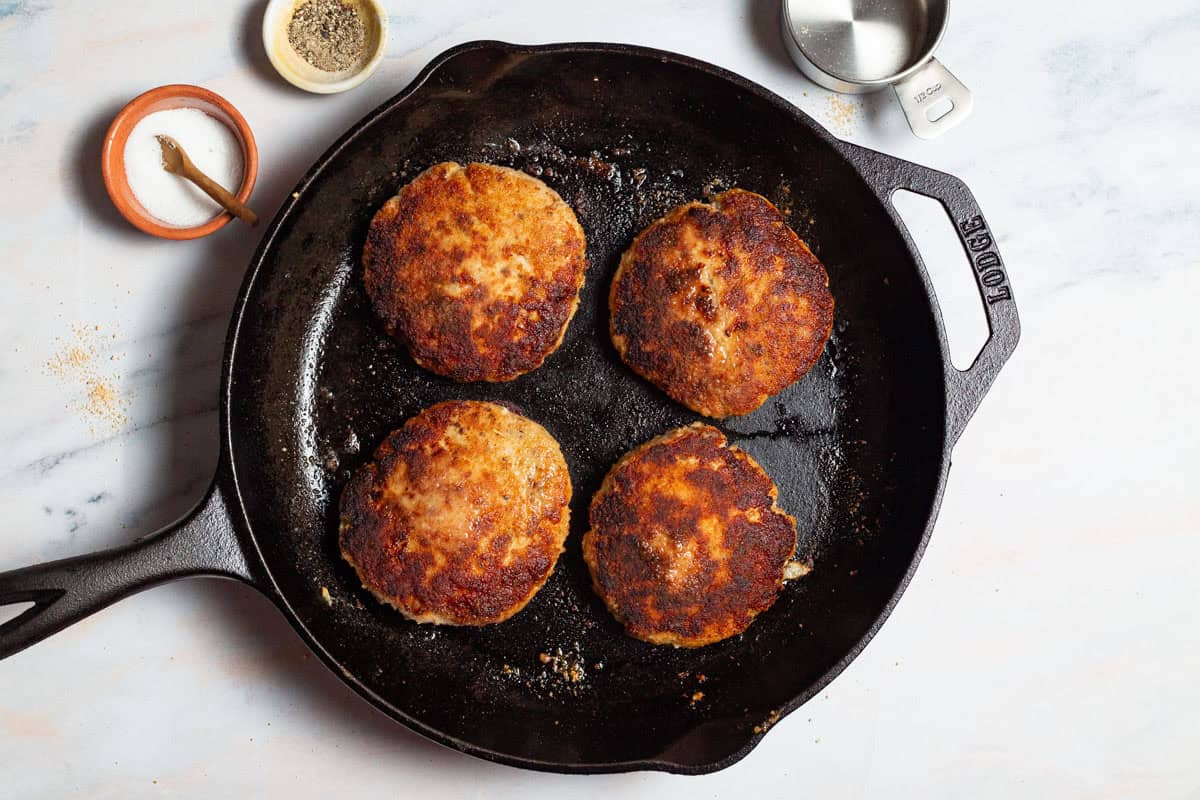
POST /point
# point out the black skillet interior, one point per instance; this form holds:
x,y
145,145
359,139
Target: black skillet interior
x,y
856,447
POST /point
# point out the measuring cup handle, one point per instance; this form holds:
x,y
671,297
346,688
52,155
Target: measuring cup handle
x,y
927,91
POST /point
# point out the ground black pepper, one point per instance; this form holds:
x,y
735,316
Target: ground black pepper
x,y
329,34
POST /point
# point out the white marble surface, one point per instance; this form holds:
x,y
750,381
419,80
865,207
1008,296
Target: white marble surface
x,y
1050,643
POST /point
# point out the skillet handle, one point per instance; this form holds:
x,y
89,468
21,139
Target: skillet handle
x,y
965,388
63,592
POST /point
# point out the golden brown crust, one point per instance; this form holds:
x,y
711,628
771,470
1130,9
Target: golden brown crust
x,y
721,305
460,516
476,270
686,544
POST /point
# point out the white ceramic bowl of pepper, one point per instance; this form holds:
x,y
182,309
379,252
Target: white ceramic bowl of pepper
x,y
325,46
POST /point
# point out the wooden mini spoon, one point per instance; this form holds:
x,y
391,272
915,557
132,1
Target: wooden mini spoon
x,y
176,161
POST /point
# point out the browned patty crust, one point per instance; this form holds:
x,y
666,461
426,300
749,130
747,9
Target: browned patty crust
x,y
460,516
721,305
476,270
686,544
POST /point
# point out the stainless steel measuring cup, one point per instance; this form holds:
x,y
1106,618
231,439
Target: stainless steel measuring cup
x,y
859,46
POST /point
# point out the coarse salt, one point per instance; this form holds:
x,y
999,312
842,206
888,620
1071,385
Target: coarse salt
x,y
211,146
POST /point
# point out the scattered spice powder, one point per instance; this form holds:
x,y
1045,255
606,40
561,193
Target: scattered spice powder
x,y
329,34
102,404
842,113
73,359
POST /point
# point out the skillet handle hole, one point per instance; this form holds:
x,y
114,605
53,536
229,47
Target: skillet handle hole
x,y
10,611
949,271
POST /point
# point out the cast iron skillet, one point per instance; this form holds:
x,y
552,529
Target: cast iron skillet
x,y
860,447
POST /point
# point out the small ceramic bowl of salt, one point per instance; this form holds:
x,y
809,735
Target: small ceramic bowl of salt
x,y
214,135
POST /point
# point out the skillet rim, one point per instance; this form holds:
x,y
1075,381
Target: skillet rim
x,y
227,474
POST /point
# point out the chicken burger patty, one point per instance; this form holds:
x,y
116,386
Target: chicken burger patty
x,y
721,305
687,545
460,516
476,270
